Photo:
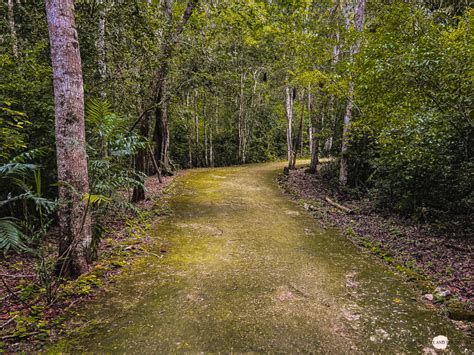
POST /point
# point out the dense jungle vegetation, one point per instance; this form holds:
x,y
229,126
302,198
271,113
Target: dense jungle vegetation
x,y
383,87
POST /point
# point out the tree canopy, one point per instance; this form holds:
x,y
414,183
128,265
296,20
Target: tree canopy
x,y
181,84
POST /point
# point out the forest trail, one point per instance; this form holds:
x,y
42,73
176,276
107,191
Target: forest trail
x,y
246,269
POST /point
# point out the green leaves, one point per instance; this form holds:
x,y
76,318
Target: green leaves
x,y
12,124
11,235
96,200
415,86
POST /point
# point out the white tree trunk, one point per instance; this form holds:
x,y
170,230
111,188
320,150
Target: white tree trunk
x,y
211,129
74,215
242,118
314,137
206,155
101,51
11,23
289,128
358,25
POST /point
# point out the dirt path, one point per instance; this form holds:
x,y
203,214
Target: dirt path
x,y
248,270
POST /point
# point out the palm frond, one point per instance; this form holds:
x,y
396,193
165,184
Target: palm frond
x,y
127,145
96,199
30,155
16,168
45,204
98,164
11,236
97,110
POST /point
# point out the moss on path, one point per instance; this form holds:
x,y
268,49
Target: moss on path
x,y
246,269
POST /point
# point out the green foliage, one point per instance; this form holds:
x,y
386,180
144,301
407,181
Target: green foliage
x,y
11,235
412,132
12,124
413,143
22,196
111,150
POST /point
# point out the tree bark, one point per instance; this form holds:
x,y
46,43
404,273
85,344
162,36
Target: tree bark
x,y
358,25
242,119
211,147
206,156
289,128
299,136
101,61
189,131
161,135
333,119
11,23
345,137
313,167
74,215
196,131
211,129
141,159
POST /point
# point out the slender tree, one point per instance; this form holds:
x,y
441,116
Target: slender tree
x,y
11,23
74,216
289,128
358,25
159,88
101,61
314,135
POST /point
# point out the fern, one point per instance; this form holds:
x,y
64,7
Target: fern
x,y
11,236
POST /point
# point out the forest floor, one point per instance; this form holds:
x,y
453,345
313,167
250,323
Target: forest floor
x,y
238,266
441,264
28,318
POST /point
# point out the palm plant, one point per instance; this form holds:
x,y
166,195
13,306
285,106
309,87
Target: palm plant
x,y
111,165
27,212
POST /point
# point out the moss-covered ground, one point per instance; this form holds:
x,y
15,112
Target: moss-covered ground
x,y
239,267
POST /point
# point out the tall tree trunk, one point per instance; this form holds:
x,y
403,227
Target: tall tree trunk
x,y
190,153
196,131
358,25
206,156
141,159
310,124
242,119
189,130
161,135
211,140
74,215
161,132
345,137
11,23
211,147
333,118
313,167
299,136
101,60
289,128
